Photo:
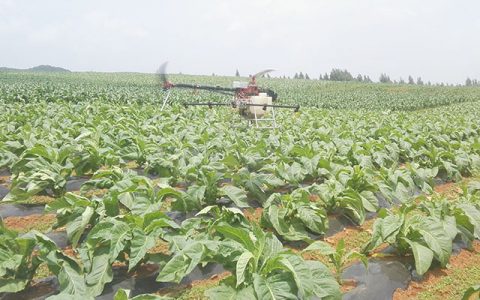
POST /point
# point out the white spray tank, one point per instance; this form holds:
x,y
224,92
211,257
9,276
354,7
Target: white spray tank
x,y
262,98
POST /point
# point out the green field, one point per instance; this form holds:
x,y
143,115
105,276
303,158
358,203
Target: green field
x,y
353,151
144,88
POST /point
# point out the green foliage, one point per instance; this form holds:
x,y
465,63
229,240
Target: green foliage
x,y
122,294
17,262
40,168
324,161
426,237
292,216
472,293
266,270
338,256
460,218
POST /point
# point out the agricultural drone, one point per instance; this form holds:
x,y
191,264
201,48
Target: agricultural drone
x,y
253,103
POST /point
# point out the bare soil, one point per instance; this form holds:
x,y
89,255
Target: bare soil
x,y
27,223
449,189
253,214
354,236
193,290
432,278
4,179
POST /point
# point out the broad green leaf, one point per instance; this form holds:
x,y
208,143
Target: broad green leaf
x,y
121,294
389,227
314,219
227,291
237,195
324,284
76,227
190,200
274,287
63,296
140,244
206,210
72,280
272,246
242,264
12,285
239,235
473,215
168,191
369,201
301,274
422,255
321,246
437,240
100,273
120,234
182,263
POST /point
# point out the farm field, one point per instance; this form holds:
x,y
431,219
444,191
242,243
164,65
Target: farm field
x,y
370,191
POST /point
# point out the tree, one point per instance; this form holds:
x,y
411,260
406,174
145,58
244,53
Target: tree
x,y
300,76
384,78
366,79
295,76
340,75
359,78
419,81
468,82
325,77
237,73
410,80
401,81
306,76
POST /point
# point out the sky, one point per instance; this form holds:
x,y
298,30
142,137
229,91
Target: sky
x,y
438,40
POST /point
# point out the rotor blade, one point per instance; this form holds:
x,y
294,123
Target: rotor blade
x,y
162,73
261,73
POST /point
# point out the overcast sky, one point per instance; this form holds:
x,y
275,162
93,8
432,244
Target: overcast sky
x,y
438,40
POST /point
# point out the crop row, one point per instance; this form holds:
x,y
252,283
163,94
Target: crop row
x,y
145,88
126,223
354,164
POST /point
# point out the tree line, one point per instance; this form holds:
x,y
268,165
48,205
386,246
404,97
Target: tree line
x,y
344,75
472,82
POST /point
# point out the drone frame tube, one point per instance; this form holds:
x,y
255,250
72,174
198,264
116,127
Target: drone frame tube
x,y
234,105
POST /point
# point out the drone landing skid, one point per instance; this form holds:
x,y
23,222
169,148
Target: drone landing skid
x,y
165,99
263,123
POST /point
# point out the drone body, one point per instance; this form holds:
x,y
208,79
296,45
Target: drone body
x,y
252,102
